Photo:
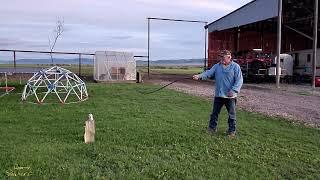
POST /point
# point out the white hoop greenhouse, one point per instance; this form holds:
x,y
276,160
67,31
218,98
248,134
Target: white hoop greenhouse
x,y
114,66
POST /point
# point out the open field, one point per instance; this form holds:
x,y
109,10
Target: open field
x,y
172,70
139,136
86,70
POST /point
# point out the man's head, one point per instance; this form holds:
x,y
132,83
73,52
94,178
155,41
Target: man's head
x,y
225,57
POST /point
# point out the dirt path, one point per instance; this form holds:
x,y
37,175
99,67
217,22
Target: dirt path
x,y
294,102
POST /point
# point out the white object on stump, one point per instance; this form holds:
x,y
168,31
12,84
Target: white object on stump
x,y
90,130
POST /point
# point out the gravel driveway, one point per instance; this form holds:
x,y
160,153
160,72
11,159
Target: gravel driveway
x,y
293,102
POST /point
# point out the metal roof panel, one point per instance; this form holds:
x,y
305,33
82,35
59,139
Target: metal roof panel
x,y
257,10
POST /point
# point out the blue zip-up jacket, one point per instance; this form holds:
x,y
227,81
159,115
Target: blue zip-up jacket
x,y
227,79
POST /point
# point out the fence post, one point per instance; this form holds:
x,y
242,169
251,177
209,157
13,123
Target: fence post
x,y
14,60
79,65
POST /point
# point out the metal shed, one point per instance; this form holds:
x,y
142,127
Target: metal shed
x,y
258,25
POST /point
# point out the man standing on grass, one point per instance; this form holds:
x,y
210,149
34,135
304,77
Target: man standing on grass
x,y
228,81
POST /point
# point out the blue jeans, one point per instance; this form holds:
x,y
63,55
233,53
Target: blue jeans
x,y
230,104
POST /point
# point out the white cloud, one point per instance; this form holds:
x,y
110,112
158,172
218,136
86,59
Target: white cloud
x,y
216,5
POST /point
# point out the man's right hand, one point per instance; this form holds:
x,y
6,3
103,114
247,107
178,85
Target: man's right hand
x,y
196,77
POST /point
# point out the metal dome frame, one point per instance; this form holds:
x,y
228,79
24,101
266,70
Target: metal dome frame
x,y
57,81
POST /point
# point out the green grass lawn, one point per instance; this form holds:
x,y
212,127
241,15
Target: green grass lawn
x,y
160,135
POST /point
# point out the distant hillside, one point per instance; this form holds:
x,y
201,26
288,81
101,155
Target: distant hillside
x,y
48,61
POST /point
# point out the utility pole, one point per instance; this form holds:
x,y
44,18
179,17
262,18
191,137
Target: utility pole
x,y
278,71
315,43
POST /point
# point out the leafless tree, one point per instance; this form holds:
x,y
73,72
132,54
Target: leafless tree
x,y
57,32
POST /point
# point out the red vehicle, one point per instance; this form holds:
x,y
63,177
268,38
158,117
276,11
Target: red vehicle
x,y
253,63
317,81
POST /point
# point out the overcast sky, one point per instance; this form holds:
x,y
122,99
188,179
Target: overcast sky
x,y
120,25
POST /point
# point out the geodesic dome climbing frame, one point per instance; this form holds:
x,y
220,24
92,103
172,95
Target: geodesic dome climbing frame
x,y
55,83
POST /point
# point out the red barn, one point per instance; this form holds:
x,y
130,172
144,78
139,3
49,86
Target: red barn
x,y
254,26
